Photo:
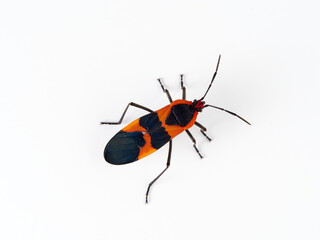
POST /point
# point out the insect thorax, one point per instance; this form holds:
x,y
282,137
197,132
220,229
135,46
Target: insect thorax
x,y
180,114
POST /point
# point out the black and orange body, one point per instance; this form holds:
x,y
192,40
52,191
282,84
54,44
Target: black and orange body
x,y
147,134
150,132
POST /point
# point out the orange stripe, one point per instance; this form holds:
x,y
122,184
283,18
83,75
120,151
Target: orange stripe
x,y
134,127
147,148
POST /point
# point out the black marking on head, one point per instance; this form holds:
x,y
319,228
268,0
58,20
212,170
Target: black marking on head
x,y
198,105
158,134
181,114
124,147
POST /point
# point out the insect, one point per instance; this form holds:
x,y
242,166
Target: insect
x,y
150,132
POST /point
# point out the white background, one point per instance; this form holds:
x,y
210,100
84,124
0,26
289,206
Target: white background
x,y
67,65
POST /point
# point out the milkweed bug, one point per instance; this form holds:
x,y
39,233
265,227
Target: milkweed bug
x,y
150,132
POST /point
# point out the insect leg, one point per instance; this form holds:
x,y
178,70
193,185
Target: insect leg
x,y
194,142
183,88
202,130
168,164
165,90
130,104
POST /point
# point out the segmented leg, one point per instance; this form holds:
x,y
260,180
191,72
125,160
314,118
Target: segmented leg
x,y
183,88
130,104
168,164
165,90
202,130
194,142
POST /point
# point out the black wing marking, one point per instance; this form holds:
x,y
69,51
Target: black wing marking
x,y
124,147
159,136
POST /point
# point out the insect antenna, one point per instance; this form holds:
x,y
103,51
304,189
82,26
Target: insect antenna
x,y
214,75
232,113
